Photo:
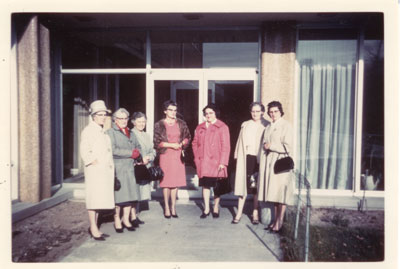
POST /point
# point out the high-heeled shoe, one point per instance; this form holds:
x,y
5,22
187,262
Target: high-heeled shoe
x,y
215,214
255,221
235,221
134,223
105,235
98,238
204,215
139,221
269,227
119,230
131,228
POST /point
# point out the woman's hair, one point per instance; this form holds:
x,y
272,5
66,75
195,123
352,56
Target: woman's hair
x,y
276,104
257,104
214,107
168,103
137,115
119,111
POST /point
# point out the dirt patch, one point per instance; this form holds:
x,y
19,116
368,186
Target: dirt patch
x,y
324,217
339,235
50,234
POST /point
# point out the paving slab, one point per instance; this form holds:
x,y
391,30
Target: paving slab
x,y
184,239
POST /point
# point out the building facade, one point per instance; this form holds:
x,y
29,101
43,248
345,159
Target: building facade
x,y
327,69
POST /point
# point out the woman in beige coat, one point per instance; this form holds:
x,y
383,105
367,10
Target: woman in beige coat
x,y
96,153
247,153
276,188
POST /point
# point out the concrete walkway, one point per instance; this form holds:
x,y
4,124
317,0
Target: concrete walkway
x,y
185,239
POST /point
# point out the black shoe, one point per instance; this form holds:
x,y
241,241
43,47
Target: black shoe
x,y
135,223
215,215
99,238
105,235
139,221
174,216
131,229
204,215
275,231
167,217
235,221
269,227
119,230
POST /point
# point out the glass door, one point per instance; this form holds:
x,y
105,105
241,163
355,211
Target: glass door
x,y
231,89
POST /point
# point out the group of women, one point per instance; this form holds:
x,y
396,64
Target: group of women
x,y
114,153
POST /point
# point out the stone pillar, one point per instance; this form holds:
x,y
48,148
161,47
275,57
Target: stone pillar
x,y
278,66
34,122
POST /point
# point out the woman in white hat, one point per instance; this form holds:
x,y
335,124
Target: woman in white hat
x,y
96,153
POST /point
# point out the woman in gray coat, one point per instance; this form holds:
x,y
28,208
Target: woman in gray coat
x,y
276,188
149,153
125,149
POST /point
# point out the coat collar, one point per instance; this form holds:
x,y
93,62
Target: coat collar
x,y
217,124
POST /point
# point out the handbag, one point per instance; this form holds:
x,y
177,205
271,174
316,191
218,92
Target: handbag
x,y
184,158
117,184
284,164
156,173
142,174
222,186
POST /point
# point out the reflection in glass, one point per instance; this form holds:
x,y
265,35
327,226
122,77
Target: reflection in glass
x,y
203,49
372,163
104,49
78,92
233,99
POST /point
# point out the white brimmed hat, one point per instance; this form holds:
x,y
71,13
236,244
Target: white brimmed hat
x,y
97,106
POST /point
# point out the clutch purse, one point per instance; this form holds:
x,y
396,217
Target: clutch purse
x,y
284,164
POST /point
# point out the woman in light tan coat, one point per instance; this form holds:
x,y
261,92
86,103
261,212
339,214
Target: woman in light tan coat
x,y
247,153
96,153
276,188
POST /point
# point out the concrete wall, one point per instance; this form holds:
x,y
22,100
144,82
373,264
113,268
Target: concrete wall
x,y
34,118
278,66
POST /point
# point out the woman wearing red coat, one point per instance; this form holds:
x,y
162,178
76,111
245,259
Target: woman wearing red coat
x,y
211,148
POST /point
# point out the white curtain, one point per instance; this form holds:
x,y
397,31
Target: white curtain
x,y
326,124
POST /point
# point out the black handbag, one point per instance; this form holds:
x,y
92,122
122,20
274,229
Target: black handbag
x,y
156,173
142,174
117,184
284,164
222,186
183,157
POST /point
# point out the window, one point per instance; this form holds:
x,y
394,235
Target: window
x,y
372,163
204,49
327,76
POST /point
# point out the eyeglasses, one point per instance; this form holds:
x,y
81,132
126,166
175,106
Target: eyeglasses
x,y
122,118
172,110
255,111
101,115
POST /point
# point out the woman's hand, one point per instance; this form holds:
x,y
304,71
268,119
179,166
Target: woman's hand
x,y
221,167
176,146
267,146
93,163
146,160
